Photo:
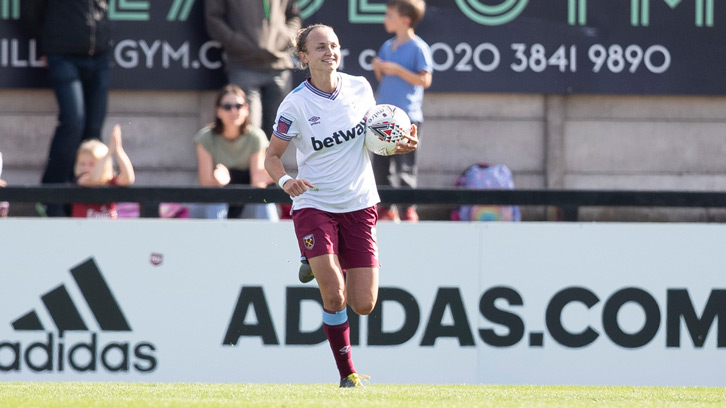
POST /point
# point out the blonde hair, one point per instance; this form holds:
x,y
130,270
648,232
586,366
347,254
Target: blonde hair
x,y
97,150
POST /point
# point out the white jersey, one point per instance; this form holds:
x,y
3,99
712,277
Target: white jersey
x,y
328,131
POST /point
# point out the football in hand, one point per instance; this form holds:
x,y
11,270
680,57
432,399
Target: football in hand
x,y
385,126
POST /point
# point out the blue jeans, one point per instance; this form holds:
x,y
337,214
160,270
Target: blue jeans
x,y
81,88
265,91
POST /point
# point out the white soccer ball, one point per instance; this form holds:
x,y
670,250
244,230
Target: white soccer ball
x,y
385,125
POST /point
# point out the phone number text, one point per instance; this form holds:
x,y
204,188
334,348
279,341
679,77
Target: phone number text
x,y
521,57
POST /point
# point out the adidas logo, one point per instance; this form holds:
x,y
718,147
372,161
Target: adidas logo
x,y
54,352
63,311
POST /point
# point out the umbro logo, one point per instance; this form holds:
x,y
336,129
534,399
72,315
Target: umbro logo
x,y
64,312
314,120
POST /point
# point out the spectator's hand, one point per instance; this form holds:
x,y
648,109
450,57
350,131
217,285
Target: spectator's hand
x,y
386,67
409,142
116,145
3,183
221,174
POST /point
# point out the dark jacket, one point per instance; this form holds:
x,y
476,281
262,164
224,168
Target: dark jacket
x,y
76,27
253,38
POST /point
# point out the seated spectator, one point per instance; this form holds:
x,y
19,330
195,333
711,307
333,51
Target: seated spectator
x,y
232,151
4,205
94,167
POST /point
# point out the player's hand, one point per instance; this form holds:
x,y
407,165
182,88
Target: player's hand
x,y
295,187
409,142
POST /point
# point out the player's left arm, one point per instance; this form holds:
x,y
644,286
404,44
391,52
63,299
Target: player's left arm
x,y
258,175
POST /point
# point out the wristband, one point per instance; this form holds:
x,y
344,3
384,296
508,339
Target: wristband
x,y
284,179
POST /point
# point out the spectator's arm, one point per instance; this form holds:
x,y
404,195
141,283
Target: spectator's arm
x,y
96,177
215,13
126,176
293,20
377,70
205,168
421,78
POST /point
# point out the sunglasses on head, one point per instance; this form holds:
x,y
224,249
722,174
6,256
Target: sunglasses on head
x,y
229,106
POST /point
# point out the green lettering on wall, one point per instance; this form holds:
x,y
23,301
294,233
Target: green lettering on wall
x,y
309,7
9,9
128,10
640,12
492,15
363,12
577,12
179,10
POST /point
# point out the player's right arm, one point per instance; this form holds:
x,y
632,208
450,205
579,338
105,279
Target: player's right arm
x,y
273,165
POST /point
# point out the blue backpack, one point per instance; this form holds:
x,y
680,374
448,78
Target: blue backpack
x,y
486,176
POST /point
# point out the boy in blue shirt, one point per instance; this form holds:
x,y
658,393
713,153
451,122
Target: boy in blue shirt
x,y
403,69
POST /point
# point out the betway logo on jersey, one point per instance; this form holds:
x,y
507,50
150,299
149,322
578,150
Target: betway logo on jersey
x,y
501,309
75,347
339,137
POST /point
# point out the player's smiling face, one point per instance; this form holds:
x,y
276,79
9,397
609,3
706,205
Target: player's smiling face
x,y
323,50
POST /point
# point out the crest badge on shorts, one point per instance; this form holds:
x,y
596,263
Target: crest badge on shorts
x,y
309,241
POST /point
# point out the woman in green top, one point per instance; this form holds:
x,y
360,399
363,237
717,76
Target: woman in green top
x,y
231,150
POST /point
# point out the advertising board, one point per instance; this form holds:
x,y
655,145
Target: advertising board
x,y
492,303
558,46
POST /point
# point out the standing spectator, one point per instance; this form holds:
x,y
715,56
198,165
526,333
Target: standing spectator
x,y
74,38
94,167
232,151
256,36
334,196
404,69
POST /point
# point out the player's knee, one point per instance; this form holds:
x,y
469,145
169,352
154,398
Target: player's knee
x,y
334,301
363,308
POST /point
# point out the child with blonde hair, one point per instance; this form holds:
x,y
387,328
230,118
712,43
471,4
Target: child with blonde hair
x,y
94,167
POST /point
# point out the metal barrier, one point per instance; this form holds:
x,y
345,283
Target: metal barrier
x,y
568,200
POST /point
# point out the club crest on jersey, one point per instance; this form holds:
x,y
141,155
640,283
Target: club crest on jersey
x,y
309,241
283,125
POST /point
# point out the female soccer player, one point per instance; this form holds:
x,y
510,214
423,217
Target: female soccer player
x,y
334,195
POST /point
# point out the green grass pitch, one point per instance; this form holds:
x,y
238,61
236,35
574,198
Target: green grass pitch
x,y
154,395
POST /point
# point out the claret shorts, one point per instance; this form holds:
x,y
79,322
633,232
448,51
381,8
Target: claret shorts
x,y
351,235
